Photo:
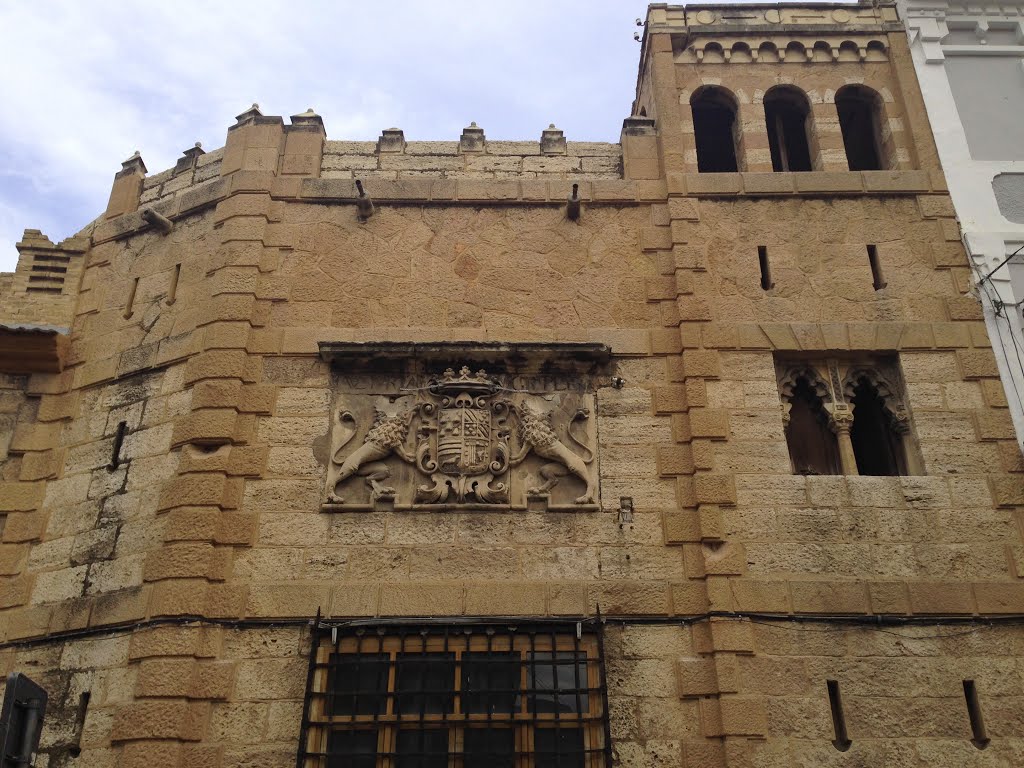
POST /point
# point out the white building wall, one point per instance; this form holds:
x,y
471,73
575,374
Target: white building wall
x,y
986,45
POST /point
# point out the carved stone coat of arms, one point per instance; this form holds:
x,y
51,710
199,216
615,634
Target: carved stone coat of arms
x,y
466,439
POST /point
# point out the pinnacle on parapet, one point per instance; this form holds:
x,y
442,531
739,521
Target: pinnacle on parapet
x,y
249,115
189,158
473,139
308,118
391,140
552,141
133,164
638,125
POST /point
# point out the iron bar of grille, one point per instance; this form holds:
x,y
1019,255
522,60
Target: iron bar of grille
x,y
314,649
603,684
475,694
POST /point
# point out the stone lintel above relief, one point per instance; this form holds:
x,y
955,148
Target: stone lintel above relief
x,y
499,356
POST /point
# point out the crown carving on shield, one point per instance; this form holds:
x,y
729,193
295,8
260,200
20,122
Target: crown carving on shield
x,y
464,381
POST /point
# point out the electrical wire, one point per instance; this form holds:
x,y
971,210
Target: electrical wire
x,y
1001,264
983,283
834,623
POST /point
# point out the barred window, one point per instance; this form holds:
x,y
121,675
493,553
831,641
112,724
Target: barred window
x,y
481,696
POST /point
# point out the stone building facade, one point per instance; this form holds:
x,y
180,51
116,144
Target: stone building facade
x,y
689,450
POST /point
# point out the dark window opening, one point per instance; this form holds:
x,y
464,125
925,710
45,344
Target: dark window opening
x,y
787,115
115,452
172,292
766,268
131,298
877,447
860,119
877,278
842,740
75,749
812,444
979,736
715,127
480,696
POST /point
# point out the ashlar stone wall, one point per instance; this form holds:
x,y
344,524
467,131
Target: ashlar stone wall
x,y
174,577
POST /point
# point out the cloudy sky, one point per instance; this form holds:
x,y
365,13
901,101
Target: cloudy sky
x,y
87,82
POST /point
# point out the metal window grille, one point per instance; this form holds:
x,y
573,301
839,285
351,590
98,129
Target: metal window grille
x,y
465,696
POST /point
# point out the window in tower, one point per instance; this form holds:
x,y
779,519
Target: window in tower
x,y
716,129
861,113
787,114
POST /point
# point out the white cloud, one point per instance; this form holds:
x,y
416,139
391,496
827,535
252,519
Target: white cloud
x,y
87,84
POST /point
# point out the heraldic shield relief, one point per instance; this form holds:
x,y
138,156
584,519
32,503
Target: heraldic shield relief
x,y
464,439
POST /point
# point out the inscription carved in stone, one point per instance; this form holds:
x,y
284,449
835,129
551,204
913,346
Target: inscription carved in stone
x,y
463,439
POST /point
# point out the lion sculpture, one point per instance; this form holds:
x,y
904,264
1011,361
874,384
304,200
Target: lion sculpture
x,y
386,435
535,432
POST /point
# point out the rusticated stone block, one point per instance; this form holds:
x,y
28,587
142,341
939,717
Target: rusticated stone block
x,y
994,424
196,490
671,399
936,206
693,308
58,407
829,597
743,716
1008,491
21,497
711,527
226,601
715,489
964,308
209,426
696,677
702,363
179,597
506,599
13,558
666,341
977,363
257,398
353,600
689,598
724,558
160,720
620,598
216,364
14,591
120,606
42,465
184,678
1000,597
422,600
237,528
733,635
828,181
710,423
281,600
714,183
682,526
675,460
941,598
24,526
179,561
656,239
761,596
661,288
151,754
